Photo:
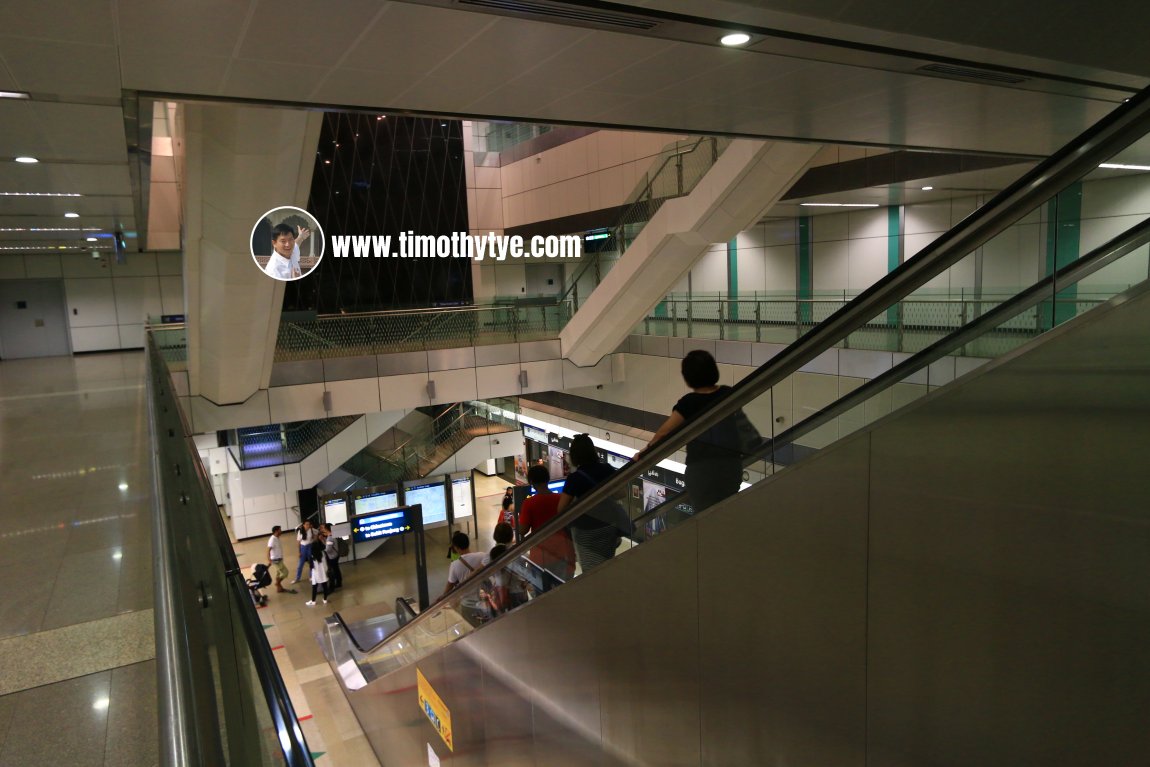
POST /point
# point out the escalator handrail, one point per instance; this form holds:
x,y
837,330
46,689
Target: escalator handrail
x,y
1124,125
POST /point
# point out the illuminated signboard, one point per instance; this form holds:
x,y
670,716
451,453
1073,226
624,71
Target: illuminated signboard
x,y
335,509
384,524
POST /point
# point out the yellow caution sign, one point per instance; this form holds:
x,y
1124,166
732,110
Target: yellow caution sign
x,y
431,704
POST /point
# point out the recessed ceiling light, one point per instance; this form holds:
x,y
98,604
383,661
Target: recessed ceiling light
x,y
27,160
14,95
735,38
1121,166
927,188
91,239
838,204
71,215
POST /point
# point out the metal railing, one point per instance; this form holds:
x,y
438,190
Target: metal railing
x,y
434,442
918,322
447,620
678,173
420,329
222,700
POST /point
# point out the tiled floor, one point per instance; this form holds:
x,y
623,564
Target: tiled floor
x,y
370,589
78,679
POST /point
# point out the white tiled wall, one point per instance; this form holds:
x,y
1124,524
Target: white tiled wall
x,y
108,303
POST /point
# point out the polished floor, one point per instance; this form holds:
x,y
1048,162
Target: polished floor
x,y
370,588
78,678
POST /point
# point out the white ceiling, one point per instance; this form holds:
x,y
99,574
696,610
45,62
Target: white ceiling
x,y
432,56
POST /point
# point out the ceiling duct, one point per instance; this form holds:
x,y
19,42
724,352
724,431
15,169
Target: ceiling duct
x,y
967,73
562,12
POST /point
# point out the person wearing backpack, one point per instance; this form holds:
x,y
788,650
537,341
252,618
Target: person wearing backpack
x,y
332,553
596,533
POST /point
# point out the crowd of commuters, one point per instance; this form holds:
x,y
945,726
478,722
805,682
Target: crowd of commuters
x,y
714,472
318,549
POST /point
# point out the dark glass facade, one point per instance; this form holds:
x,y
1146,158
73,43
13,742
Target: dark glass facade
x,y
383,175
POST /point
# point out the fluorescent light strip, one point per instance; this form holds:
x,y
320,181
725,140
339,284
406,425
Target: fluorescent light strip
x,y
40,194
838,204
49,229
14,95
1120,166
44,247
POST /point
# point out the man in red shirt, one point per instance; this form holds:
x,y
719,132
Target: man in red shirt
x,y
556,554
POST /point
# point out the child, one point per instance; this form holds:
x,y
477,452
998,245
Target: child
x,y
318,572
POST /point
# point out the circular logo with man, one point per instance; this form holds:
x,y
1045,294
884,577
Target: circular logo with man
x,y
287,243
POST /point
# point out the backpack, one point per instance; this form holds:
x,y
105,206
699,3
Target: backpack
x,y
341,547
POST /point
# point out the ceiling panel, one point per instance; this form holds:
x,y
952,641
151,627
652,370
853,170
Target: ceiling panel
x,y
394,40
505,50
352,87
63,68
50,177
270,80
172,70
57,206
82,132
206,27
302,32
83,22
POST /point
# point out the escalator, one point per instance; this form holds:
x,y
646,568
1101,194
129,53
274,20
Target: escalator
x,y
954,574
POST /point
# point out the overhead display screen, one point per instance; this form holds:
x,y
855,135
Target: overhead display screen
x,y
335,509
371,527
374,500
432,496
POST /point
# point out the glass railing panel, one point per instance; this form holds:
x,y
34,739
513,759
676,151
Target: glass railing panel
x,y
232,705
352,335
172,345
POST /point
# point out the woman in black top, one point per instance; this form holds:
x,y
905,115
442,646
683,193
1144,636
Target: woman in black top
x,y
596,538
714,462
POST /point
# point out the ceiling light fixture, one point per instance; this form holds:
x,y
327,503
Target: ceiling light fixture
x,y
71,215
838,204
1121,166
927,188
27,160
735,38
39,194
91,239
14,95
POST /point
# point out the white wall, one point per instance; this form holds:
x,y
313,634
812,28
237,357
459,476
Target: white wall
x,y
592,172
107,303
850,249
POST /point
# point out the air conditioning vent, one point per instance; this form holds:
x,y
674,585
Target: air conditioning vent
x,y
966,73
538,9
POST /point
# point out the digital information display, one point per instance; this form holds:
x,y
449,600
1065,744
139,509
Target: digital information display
x,y
372,502
335,509
371,527
433,499
461,507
